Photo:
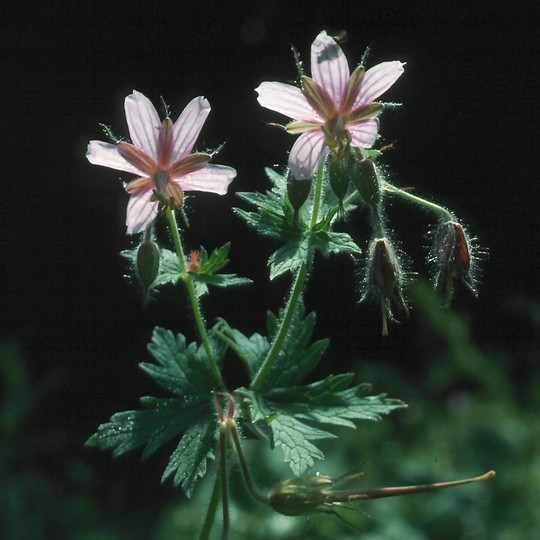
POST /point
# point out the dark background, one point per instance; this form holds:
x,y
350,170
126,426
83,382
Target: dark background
x,y
466,136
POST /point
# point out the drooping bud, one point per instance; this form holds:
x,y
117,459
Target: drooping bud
x,y
339,177
366,181
384,280
453,256
147,262
297,192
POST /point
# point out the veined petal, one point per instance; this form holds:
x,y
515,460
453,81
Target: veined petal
x,y
288,100
188,126
106,154
300,127
307,154
363,133
143,122
140,211
377,80
211,178
329,67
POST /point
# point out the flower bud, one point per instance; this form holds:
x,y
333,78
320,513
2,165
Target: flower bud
x,y
147,263
297,191
339,177
452,254
384,280
366,181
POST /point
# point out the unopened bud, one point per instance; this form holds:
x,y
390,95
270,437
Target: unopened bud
x,y
147,262
453,257
366,180
297,191
384,279
384,271
339,177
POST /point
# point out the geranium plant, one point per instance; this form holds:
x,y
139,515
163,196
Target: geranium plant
x,y
332,170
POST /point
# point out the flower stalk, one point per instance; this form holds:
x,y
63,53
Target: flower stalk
x,y
188,281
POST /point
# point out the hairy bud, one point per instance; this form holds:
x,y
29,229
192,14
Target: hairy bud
x,y
454,260
366,181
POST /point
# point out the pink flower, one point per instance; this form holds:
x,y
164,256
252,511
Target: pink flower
x,y
160,156
334,109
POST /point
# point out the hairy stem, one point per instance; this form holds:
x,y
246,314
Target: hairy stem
x,y
188,281
441,211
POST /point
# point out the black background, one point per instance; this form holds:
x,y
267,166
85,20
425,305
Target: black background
x,y
466,136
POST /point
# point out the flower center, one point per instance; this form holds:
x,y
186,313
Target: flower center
x,y
161,178
337,136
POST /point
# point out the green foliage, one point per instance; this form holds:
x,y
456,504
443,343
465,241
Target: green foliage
x,y
206,274
275,218
182,369
300,414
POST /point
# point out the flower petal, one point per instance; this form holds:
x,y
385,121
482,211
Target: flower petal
x,y
307,154
188,126
288,100
211,178
329,67
143,122
140,211
106,154
377,80
364,133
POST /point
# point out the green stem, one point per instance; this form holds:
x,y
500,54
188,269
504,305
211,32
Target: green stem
x,y
188,281
211,512
224,486
317,197
256,494
290,309
418,200
296,295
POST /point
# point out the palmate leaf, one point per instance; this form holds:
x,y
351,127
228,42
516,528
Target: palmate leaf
x,y
297,356
300,415
183,369
274,218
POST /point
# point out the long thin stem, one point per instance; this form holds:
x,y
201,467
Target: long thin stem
x,y
188,281
256,494
296,295
290,309
224,485
211,512
317,197
418,200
